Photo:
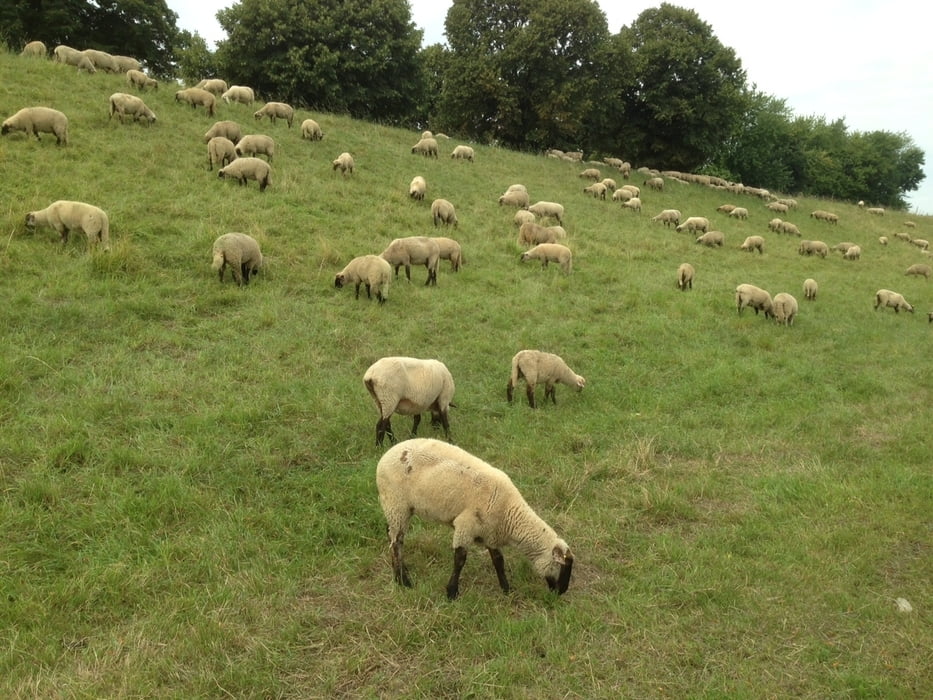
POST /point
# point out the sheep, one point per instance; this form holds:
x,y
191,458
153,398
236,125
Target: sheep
x,y
725,208
597,189
344,163
463,153
427,134
615,163
777,207
102,60
885,298
813,248
249,168
34,48
241,252
123,104
73,57
810,288
228,129
753,243
550,209
775,225
522,216
910,224
216,86
426,147
634,189
443,483
853,253
685,275
903,236
711,239
883,240
790,229
531,233
38,119
877,211
443,212
371,270
634,204
127,63
65,216
140,80
518,187
255,145
515,198
739,213
311,130
239,93
409,386
843,247
669,217
591,174
655,183
414,250
622,195
785,308
610,184
920,243
822,215
754,297
275,110
450,249
417,188
791,203
195,97
920,269
220,150
535,366
693,223
550,252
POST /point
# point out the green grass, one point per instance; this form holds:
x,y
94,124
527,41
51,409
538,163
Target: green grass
x,y
188,505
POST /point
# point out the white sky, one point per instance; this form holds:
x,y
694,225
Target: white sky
x,y
865,61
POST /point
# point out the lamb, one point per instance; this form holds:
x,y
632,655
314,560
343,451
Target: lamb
x,y
371,270
275,110
443,212
597,189
813,248
535,366
853,253
241,252
694,223
311,130
417,188
38,120
634,204
140,80
920,243
443,483
228,129
220,150
531,233
785,308
885,298
810,288
123,104
249,168
414,250
239,93
523,216
712,239
66,216
739,213
463,153
216,86
753,297
550,252
409,386
515,198
344,163
685,275
195,97
450,249
753,243
591,174
34,48
255,145
877,211
669,217
550,209
426,147
920,269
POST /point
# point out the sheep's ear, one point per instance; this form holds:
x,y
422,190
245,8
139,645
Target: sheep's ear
x,y
561,554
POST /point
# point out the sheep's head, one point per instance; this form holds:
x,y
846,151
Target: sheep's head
x,y
31,220
579,382
338,280
559,567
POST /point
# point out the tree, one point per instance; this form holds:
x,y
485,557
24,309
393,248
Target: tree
x,y
193,59
51,21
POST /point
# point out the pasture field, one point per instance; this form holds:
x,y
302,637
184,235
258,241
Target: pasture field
x,y
188,504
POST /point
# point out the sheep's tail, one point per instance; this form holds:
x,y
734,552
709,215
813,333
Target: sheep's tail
x,y
371,387
218,259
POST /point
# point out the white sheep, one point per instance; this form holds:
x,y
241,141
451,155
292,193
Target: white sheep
x,y
885,298
102,60
903,236
910,224
449,249
534,367
685,275
65,216
140,80
523,216
853,252
216,86
622,195
275,110
883,240
877,211
220,150
789,228
920,270
240,252
311,130
531,233
417,188
921,243
810,288
694,223
726,209
463,153
239,93
255,145
550,252
426,147
823,215
443,483
739,213
409,386
228,129
36,120
591,174
634,204
371,270
197,97
515,198
414,250
443,212
249,168
711,239
777,207
34,48
550,209
344,163
610,184
73,57
655,183
843,246
813,248
127,63
597,189
753,243
785,308
775,225
754,297
123,104
669,217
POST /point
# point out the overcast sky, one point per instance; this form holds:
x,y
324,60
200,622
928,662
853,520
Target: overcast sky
x,y
860,60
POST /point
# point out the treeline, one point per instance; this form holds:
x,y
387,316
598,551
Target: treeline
x,y
526,74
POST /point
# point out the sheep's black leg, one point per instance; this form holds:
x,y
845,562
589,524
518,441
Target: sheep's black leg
x,y
408,271
383,428
508,391
549,390
358,289
244,271
530,393
498,563
446,423
368,291
453,586
398,566
416,421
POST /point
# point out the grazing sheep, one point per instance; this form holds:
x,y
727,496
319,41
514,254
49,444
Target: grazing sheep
x,y
102,60
450,249
241,252
791,203
810,288
920,243
515,198
371,270
785,308
910,224
591,174
38,119
813,248
822,215
694,223
550,252
843,246
409,386
634,204
463,153
220,150
712,239
197,97
443,483
140,80
239,93
883,240
775,225
610,184
417,188
275,110
523,216
311,130
622,195
127,63
34,48
343,162
725,208
531,233
549,209
228,129
66,216
739,213
255,145
426,147
443,212
634,189
249,168
753,243
597,189
778,207
920,270
790,229
427,134
216,86
853,253
73,57
685,275
534,367
655,183
877,211
669,217
903,236
885,298
753,297
123,104
414,250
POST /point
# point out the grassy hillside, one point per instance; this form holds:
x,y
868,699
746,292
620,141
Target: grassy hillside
x,y
188,501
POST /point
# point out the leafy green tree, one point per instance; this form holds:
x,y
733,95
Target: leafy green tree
x,y
194,60
51,21
354,56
